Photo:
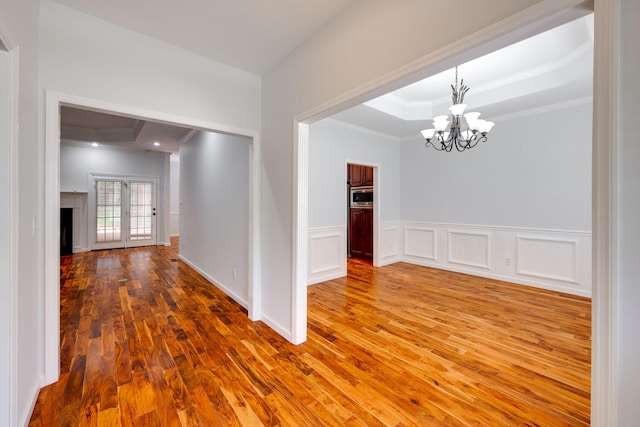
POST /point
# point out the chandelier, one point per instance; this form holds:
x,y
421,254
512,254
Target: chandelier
x,y
445,136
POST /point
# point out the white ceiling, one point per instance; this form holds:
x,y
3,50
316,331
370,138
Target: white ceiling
x,y
253,35
551,68
555,67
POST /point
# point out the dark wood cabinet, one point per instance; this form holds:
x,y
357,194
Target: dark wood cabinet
x,y
361,232
360,176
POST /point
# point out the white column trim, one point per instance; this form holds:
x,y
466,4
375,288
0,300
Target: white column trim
x,y
604,371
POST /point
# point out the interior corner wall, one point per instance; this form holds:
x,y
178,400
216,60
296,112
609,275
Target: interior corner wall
x,y
361,46
533,172
214,210
331,145
76,163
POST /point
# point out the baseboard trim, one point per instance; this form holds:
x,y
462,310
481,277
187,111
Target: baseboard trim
x,y
24,419
237,298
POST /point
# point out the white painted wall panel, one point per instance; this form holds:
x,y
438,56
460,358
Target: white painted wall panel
x,y
548,258
468,248
327,254
390,242
420,242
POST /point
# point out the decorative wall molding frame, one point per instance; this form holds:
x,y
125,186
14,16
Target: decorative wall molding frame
x,y
419,241
327,254
390,242
557,260
471,249
547,258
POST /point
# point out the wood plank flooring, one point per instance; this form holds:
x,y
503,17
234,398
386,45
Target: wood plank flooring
x,y
146,341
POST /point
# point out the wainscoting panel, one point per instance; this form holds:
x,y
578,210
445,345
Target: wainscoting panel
x,y
420,242
390,242
547,258
557,260
471,249
327,254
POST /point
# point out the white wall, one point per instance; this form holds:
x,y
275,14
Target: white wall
x,y
85,56
628,298
76,163
534,171
174,197
348,61
21,368
214,210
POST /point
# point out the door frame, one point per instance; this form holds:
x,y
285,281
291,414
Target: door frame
x,y
537,18
53,101
10,48
91,204
376,203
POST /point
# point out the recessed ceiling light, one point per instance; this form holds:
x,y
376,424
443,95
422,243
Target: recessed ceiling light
x,y
156,143
94,144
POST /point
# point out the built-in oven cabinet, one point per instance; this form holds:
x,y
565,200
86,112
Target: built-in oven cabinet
x,y
360,175
361,232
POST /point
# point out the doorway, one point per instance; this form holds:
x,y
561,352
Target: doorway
x,y
123,212
54,102
360,211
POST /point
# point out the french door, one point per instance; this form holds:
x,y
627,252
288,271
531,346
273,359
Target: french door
x,y
123,212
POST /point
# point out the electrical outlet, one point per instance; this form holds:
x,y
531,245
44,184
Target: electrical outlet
x,y
235,273
507,261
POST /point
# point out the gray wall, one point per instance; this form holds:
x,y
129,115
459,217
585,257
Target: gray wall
x,y
331,145
214,209
534,171
523,176
77,162
628,339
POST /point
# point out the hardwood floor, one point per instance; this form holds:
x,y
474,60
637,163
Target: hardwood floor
x,y
146,341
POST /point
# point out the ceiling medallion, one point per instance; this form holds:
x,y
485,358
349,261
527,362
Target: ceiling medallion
x,y
445,136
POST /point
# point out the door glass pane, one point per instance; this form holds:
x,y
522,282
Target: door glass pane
x,y
108,211
140,210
